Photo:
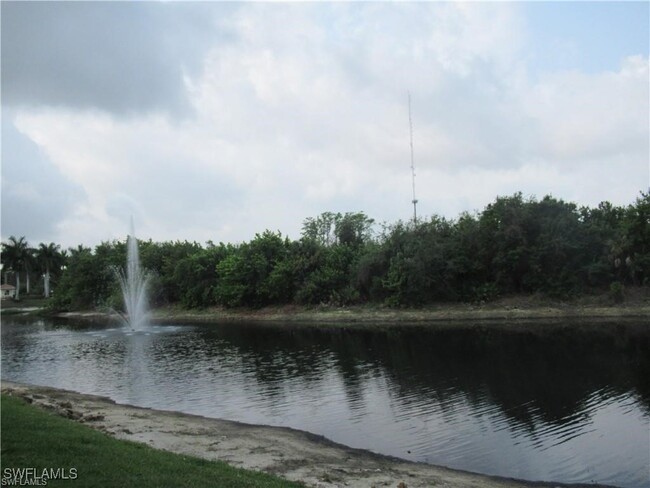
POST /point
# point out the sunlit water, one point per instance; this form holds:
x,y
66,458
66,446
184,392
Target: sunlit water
x,y
562,405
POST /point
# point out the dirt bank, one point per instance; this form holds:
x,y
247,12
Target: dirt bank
x,y
514,309
288,453
363,315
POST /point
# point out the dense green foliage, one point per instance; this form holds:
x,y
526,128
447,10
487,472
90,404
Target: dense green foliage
x,y
32,438
516,245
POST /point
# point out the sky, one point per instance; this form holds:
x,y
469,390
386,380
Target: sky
x,y
217,121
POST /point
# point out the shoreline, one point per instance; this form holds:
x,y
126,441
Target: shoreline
x,y
506,310
375,317
289,453
364,314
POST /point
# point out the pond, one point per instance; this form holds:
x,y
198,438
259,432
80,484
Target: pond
x,y
553,402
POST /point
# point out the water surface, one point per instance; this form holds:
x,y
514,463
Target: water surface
x,y
552,402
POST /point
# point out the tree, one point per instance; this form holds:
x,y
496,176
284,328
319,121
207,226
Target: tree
x,y
328,279
88,280
244,276
368,272
321,229
161,259
507,232
49,258
351,228
196,275
30,264
602,229
557,252
15,254
420,260
636,228
471,282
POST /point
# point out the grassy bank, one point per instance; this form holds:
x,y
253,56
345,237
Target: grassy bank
x,y
29,304
29,301
517,308
32,438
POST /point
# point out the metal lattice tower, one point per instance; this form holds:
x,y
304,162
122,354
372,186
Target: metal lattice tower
x,y
414,201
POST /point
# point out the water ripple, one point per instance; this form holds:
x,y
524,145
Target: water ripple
x,y
556,413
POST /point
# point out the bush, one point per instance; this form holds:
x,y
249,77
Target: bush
x,y
486,292
617,292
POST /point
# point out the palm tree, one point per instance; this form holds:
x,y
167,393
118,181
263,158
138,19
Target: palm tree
x,y
49,257
14,256
75,252
28,264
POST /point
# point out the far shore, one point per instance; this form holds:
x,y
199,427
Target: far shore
x,y
375,316
510,310
379,316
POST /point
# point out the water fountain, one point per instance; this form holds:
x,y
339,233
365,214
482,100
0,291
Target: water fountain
x,y
133,281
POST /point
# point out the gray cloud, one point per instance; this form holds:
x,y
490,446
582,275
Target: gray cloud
x,y
121,57
35,195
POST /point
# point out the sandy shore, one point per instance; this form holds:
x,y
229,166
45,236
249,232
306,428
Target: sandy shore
x,y
291,454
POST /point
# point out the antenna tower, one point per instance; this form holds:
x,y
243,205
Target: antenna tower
x,y
414,201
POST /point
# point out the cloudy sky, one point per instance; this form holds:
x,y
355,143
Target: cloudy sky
x,y
219,120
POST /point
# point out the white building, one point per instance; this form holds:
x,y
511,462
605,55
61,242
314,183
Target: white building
x,y
8,291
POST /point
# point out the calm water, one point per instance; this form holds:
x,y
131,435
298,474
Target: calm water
x,y
562,405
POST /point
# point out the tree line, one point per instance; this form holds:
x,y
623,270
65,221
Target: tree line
x,y
18,258
515,245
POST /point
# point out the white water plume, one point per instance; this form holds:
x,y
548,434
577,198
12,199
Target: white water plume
x,y
134,281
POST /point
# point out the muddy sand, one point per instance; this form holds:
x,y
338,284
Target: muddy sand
x,y
288,453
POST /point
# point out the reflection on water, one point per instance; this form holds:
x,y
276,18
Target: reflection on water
x,y
563,405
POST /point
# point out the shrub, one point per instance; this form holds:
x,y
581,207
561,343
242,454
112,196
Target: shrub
x,y
617,292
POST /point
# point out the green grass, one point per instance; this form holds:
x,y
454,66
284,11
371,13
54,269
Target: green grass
x,y
35,438
10,307
25,301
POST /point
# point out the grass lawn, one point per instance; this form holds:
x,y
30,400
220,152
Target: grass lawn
x,y
33,438
24,302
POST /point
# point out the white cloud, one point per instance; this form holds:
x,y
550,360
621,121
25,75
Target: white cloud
x,y
592,116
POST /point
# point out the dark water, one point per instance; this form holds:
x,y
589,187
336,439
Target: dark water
x,y
571,404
